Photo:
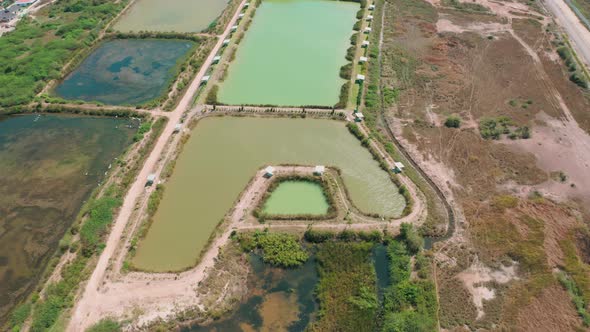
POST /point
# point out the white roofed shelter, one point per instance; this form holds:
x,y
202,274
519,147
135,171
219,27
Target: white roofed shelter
x,y
363,59
216,59
319,170
360,77
269,172
371,7
365,43
367,30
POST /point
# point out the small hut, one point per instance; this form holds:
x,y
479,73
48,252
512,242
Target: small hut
x,y
269,172
241,16
365,43
360,78
371,7
234,28
246,5
150,179
398,167
226,42
367,30
369,17
319,170
178,128
216,59
205,79
358,117
363,59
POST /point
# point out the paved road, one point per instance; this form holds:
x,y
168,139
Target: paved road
x,y
576,31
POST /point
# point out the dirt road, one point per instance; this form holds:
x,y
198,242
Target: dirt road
x,y
577,32
83,308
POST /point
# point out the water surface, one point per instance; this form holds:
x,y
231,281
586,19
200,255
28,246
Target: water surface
x,y
292,54
129,71
297,197
48,166
277,300
170,16
224,153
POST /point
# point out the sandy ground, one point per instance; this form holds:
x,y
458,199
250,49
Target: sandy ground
x,y
576,31
477,274
83,308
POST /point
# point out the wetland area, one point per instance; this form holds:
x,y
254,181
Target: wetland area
x,y
125,71
292,54
224,153
48,166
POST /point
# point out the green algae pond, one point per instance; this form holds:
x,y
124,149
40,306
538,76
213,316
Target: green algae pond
x,y
49,165
296,198
170,16
125,71
292,54
224,153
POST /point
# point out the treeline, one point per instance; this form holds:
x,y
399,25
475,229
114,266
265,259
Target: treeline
x,y
36,51
278,249
156,35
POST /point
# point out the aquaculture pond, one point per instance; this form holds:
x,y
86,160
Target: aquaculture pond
x,y
48,166
292,54
127,71
297,197
221,157
170,16
277,300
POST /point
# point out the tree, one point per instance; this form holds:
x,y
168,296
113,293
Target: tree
x,y
453,121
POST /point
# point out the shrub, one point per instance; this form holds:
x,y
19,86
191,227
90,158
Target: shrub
x,y
346,71
279,249
105,325
453,121
212,95
315,236
579,80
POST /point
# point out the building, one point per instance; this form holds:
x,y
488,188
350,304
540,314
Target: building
x,y
363,59
367,30
369,17
205,79
246,5
234,28
358,117
150,179
269,172
371,7
25,3
241,16
365,43
360,78
398,167
225,42
216,59
319,170
178,128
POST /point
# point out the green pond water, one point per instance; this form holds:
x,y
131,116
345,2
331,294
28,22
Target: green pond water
x,y
292,54
297,197
277,300
129,71
48,166
224,153
168,16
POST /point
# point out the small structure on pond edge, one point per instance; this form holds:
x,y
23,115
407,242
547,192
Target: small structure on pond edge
x,y
360,78
241,16
216,59
371,7
226,42
269,172
363,59
367,30
369,17
150,179
178,127
398,167
234,28
365,43
205,79
319,170
246,5
358,117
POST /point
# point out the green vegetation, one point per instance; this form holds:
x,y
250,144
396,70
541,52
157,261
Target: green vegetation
x,y
453,121
99,218
410,303
36,51
494,128
465,6
105,325
577,297
19,315
576,278
212,95
569,59
143,129
346,290
279,249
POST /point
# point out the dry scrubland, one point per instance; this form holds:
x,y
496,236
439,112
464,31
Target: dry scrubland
x,y
521,249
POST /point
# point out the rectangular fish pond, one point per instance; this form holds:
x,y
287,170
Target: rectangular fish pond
x,y
221,157
126,71
170,16
296,198
292,54
48,166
